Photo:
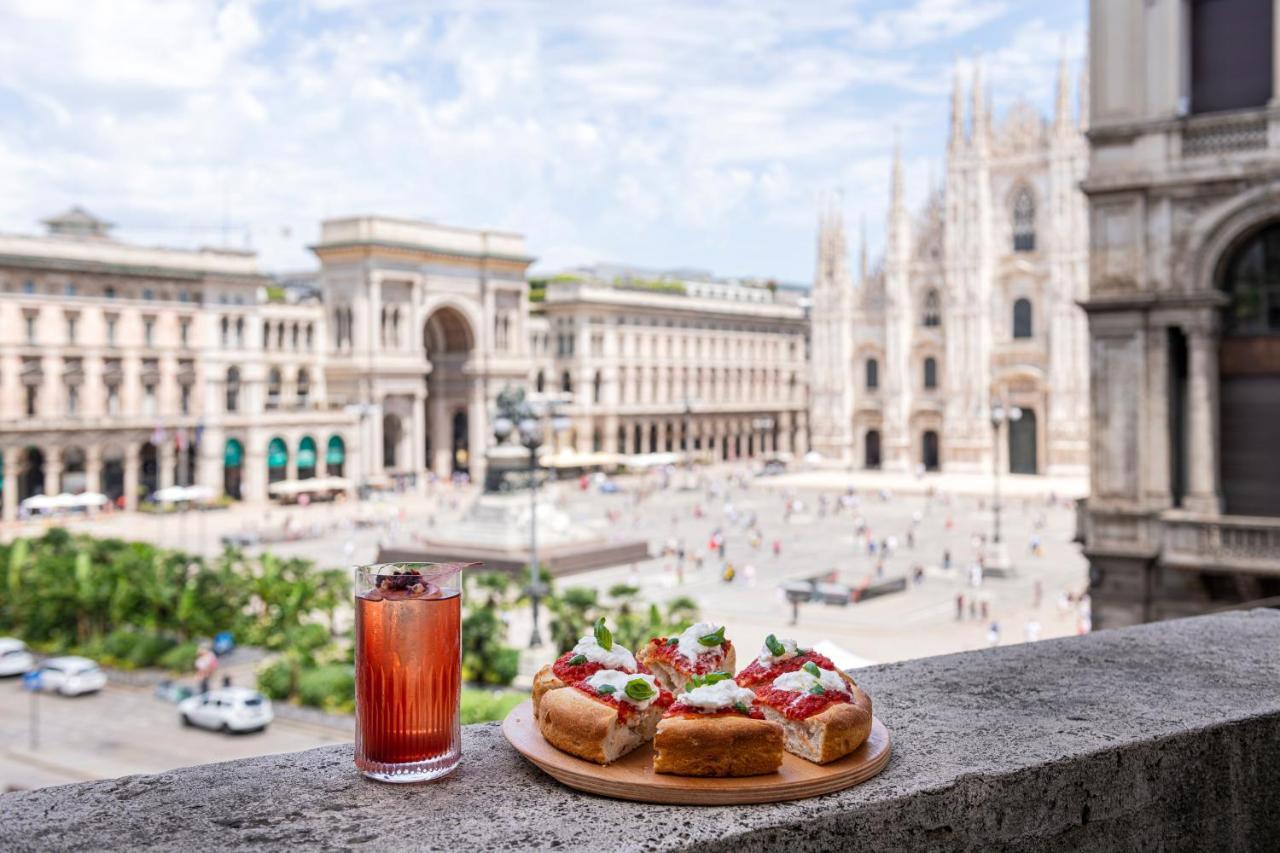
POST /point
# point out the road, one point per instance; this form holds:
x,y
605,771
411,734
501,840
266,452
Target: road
x,y
121,731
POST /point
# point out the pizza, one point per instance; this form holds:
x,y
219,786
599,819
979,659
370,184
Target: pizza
x,y
715,728
777,657
592,653
604,716
699,650
823,713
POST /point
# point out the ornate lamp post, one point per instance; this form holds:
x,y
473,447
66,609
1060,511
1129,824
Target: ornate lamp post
x,y
999,416
517,415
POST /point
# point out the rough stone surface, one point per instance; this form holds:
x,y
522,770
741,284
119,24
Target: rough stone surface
x,y
1160,737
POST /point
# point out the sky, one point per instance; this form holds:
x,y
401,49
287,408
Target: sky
x,y
670,133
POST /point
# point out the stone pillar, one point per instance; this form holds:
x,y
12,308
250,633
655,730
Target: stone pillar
x,y
165,456
253,473
477,432
1203,494
210,460
11,473
52,470
441,437
611,435
131,476
93,468
291,461
784,432
418,449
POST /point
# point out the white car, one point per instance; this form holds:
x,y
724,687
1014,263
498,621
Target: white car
x,y
229,709
14,657
71,676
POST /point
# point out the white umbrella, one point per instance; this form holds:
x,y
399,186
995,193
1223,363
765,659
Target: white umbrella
x,y
170,494
813,456
93,499
66,500
38,502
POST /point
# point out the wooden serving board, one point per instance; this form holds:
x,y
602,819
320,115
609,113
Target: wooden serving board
x,y
632,776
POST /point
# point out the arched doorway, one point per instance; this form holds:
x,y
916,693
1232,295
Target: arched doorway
x,y
335,456
277,460
73,470
929,450
31,474
1022,444
461,446
233,469
448,340
1249,376
306,458
112,479
871,450
392,433
148,470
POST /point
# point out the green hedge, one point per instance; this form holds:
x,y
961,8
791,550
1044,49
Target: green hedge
x,y
483,706
331,687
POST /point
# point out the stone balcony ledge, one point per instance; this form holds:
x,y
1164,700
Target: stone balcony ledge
x,y
1159,737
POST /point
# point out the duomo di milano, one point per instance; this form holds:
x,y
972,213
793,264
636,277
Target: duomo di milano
x,y
126,368
974,306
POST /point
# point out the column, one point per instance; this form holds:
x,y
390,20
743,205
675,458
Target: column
x,y
253,473
1202,426
291,462
165,456
418,450
131,476
209,461
477,432
441,438
784,432
93,468
52,470
10,501
802,432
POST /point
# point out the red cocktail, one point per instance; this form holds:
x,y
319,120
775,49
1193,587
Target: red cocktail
x,y
408,670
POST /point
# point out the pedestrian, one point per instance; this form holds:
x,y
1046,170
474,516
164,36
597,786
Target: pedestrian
x,y
984,610
993,634
777,548
226,680
1032,630
911,539
959,606
1037,591
973,609
946,558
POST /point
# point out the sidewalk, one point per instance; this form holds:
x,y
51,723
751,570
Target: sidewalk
x,y
1015,485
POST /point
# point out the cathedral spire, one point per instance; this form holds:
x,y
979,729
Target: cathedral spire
x,y
862,251
978,117
896,201
1084,95
957,108
1062,111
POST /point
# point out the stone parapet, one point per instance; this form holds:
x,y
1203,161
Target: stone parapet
x,y
1163,736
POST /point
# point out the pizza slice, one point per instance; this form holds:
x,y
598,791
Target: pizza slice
x,y
715,728
604,716
592,653
824,714
700,650
777,657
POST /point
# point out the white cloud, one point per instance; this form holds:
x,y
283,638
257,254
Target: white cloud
x,y
696,134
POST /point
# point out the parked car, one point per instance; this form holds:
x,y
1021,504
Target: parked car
x,y
172,691
229,709
71,676
15,659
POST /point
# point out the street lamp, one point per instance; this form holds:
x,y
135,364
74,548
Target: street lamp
x,y
519,417
999,416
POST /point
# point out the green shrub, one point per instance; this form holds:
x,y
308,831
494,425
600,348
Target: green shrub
x,y
180,658
331,687
129,649
149,649
274,679
483,706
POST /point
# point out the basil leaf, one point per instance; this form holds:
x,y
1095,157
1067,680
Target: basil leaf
x,y
606,689
640,690
603,635
715,677
812,668
741,707
775,648
577,660
715,638
817,690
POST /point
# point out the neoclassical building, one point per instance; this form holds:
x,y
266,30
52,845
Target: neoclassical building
x,y
974,304
125,369
1184,307
654,362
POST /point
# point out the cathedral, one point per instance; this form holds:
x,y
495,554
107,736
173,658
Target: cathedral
x,y
965,346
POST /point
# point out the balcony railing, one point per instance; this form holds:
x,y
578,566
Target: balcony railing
x,y
1227,134
1231,543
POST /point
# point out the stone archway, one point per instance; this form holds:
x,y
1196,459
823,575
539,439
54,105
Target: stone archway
x,y
455,413
30,473
233,469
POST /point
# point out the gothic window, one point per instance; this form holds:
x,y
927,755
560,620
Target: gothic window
x,y
1024,221
1022,318
596,388
566,383
932,309
873,374
233,389
541,382
274,384
930,373
303,384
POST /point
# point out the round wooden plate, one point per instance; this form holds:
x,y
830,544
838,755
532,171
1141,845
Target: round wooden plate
x,y
632,776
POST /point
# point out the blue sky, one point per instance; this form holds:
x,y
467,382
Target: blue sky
x,y
660,133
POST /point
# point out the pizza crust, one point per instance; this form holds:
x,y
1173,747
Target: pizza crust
x,y
830,734
727,745
574,722
545,680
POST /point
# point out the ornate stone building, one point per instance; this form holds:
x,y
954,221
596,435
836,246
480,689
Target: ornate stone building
x,y
654,362
974,303
1184,306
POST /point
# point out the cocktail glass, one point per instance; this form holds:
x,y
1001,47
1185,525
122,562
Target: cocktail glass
x,y
408,670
